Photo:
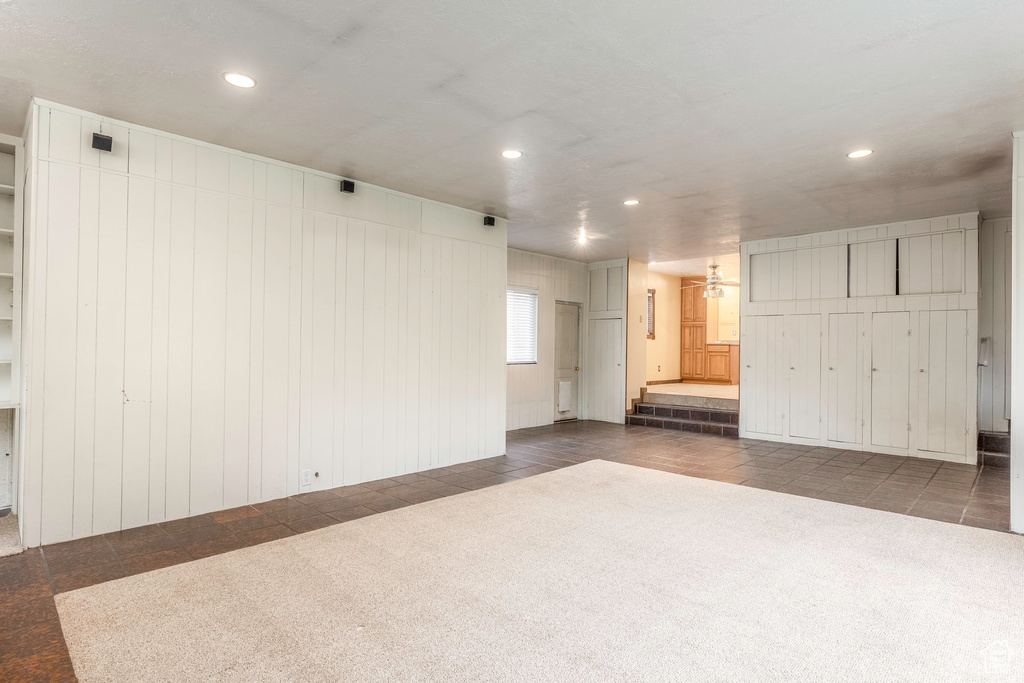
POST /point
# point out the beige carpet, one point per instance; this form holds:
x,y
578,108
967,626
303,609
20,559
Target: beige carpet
x,y
10,537
600,571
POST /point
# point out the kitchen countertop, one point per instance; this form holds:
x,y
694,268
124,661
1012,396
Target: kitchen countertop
x,y
728,342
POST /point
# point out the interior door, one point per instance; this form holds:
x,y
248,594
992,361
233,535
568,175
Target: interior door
x,y
845,332
942,382
890,379
804,376
567,361
605,390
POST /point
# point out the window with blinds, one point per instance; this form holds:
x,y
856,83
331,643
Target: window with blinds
x,y
522,326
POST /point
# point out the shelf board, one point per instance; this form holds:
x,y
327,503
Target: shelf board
x,y
9,406
7,319
7,190
7,231
10,275
6,361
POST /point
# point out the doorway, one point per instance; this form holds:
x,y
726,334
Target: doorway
x,y
567,361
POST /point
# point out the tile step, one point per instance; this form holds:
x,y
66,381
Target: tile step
x,y
699,421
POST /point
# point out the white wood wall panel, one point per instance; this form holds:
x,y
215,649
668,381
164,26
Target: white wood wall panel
x,y
209,325
851,277
531,388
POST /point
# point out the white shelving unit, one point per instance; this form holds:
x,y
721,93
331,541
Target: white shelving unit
x,y
12,178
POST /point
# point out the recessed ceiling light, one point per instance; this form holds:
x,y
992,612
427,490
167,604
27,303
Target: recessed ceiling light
x,y
240,80
511,154
631,202
582,239
860,153
652,263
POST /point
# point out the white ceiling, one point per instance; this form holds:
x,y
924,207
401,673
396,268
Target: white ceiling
x,y
728,119
728,266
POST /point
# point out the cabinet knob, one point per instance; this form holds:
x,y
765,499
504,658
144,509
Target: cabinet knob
x,y
874,369
831,368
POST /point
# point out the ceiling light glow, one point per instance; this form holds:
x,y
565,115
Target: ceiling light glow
x,y
240,80
860,153
631,202
511,154
582,239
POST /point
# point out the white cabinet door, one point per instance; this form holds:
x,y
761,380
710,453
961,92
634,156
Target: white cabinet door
x,y
763,375
605,387
804,333
942,382
845,363
890,379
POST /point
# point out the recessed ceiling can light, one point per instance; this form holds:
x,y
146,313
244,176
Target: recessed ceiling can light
x,y
240,80
582,239
860,153
511,154
631,202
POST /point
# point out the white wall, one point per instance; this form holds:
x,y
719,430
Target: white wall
x,y
531,388
206,325
994,325
832,355
664,350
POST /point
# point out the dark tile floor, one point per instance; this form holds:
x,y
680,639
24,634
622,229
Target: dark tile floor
x,y
32,645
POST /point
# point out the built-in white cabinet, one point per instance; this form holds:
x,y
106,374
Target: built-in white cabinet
x,y
864,338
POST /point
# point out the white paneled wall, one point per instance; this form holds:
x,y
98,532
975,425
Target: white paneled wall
x,y
864,338
209,326
531,387
994,325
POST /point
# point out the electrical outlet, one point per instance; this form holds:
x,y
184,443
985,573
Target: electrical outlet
x,y
307,477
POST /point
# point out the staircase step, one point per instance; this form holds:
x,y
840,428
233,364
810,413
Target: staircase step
x,y
719,422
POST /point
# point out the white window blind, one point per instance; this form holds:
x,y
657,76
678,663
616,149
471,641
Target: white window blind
x,y
522,326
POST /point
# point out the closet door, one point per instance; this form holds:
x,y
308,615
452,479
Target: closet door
x,y
845,360
804,332
763,376
890,379
942,382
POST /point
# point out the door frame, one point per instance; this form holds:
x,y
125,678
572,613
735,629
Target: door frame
x,y
580,334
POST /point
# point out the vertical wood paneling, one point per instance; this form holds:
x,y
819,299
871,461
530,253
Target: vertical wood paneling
x,y
138,358
160,339
209,310
225,336
325,250
276,297
85,350
237,348
373,353
338,476
354,352
110,352
61,253
179,352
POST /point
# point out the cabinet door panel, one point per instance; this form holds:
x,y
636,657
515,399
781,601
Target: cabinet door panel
x,y
763,378
804,376
845,335
942,381
890,379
